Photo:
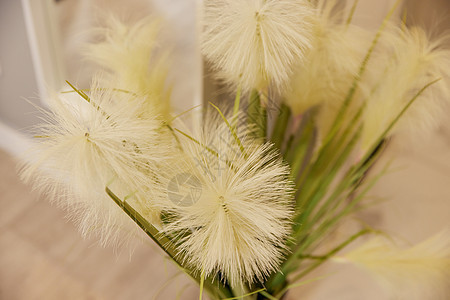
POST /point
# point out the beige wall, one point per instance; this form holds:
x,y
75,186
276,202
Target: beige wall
x,y
17,80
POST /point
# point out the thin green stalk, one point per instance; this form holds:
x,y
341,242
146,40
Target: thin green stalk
x,y
237,102
257,115
213,152
246,295
352,12
280,126
397,118
268,296
360,169
99,89
86,97
331,253
79,92
184,112
164,243
320,190
290,265
349,98
197,142
350,180
292,262
202,282
166,284
172,131
295,285
301,150
321,231
160,239
351,206
232,130
327,154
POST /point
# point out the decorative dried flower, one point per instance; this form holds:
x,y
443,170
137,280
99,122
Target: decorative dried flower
x,y
331,63
407,61
236,218
422,270
129,53
254,43
84,147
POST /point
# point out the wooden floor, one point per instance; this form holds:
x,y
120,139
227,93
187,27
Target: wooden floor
x,y
42,256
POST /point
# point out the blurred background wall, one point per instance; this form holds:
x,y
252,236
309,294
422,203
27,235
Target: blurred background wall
x,y
17,78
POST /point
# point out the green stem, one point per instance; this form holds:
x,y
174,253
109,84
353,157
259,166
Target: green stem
x,y
281,124
289,266
352,12
397,118
160,239
257,115
237,102
202,282
331,253
165,244
349,98
268,296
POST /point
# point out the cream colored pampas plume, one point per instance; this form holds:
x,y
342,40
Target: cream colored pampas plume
x,y
330,65
418,272
407,60
254,43
129,52
236,217
83,147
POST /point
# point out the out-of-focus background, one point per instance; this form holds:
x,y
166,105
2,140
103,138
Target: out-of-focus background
x,y
42,256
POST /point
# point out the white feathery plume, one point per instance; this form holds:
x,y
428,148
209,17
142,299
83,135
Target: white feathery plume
x,y
331,63
83,148
129,52
421,271
255,43
230,211
406,62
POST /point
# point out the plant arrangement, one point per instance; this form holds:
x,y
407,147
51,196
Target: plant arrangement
x,y
246,198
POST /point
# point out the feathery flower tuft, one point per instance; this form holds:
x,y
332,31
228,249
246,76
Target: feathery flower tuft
x,y
235,218
85,147
331,63
254,43
423,268
408,60
129,53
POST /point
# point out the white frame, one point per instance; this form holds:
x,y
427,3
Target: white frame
x,y
42,30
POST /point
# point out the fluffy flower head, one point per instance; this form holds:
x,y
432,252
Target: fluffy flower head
x,y
408,60
423,268
256,42
84,147
130,54
237,218
331,63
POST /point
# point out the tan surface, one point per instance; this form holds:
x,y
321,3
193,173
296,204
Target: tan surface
x,y
42,256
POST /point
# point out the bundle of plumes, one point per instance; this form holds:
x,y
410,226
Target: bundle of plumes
x,y
233,210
